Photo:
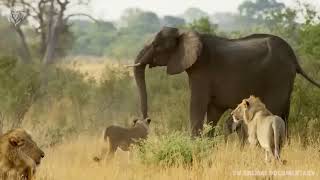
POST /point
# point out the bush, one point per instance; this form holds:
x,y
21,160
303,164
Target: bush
x,y
168,100
18,90
174,149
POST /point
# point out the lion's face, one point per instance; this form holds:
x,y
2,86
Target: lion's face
x,y
141,122
246,110
239,113
19,138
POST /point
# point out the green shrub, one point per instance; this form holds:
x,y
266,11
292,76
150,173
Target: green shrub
x,y
19,84
174,149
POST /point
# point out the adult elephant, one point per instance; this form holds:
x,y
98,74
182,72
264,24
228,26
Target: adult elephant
x,y
222,71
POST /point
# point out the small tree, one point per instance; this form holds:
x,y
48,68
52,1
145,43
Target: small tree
x,y
49,20
203,25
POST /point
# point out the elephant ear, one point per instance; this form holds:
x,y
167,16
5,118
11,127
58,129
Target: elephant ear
x,y
188,50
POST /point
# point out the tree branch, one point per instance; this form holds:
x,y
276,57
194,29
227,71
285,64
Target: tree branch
x,y
29,6
63,3
80,14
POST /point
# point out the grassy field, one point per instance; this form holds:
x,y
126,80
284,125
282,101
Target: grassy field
x,y
72,160
94,69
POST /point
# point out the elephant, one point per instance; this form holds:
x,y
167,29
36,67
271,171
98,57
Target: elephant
x,y
222,71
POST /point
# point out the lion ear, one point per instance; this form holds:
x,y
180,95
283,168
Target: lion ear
x,y
135,121
148,120
16,141
247,103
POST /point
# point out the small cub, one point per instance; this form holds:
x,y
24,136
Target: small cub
x,y
123,137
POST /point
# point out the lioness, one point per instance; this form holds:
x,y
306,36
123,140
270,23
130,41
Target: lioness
x,y
19,155
263,127
123,137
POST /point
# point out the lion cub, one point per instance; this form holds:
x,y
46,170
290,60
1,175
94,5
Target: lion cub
x,y
123,137
263,127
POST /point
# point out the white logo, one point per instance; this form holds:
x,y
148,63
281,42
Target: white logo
x,y
16,17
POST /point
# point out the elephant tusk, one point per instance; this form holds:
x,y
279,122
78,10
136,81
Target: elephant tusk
x,y
134,65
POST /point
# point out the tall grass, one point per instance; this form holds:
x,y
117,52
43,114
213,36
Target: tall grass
x,y
72,160
68,116
73,101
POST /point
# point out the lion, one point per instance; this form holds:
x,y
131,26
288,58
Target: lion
x,y
123,138
19,155
263,127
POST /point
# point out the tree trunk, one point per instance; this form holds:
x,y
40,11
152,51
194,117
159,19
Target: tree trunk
x,y
43,37
54,29
52,35
25,52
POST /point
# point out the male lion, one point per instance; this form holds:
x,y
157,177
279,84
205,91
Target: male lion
x,y
263,127
124,137
19,155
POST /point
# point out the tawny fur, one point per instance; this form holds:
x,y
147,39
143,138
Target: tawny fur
x,y
19,155
263,127
123,138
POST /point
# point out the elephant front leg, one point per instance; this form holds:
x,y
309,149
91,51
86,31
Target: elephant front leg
x,y
198,109
213,115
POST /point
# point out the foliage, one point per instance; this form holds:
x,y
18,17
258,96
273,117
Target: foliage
x,y
126,45
144,21
203,25
259,9
65,41
92,38
174,149
163,89
19,87
72,102
310,40
9,43
173,21
192,14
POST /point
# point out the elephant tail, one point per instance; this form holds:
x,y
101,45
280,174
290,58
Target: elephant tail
x,y
296,62
304,74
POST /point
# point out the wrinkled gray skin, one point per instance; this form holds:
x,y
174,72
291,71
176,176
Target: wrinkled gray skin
x,y
222,71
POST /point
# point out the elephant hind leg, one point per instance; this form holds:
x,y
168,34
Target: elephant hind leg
x,y
285,117
279,104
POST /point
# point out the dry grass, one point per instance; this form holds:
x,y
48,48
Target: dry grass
x,y
73,160
94,67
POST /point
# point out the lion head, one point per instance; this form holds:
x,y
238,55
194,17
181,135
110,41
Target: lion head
x,y
142,123
246,110
21,139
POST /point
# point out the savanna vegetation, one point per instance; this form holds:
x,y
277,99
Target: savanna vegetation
x,y
66,80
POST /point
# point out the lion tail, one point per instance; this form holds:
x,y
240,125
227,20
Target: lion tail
x,y
279,137
105,135
276,137
105,140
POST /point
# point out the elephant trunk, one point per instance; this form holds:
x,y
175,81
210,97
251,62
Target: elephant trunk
x,y
139,75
